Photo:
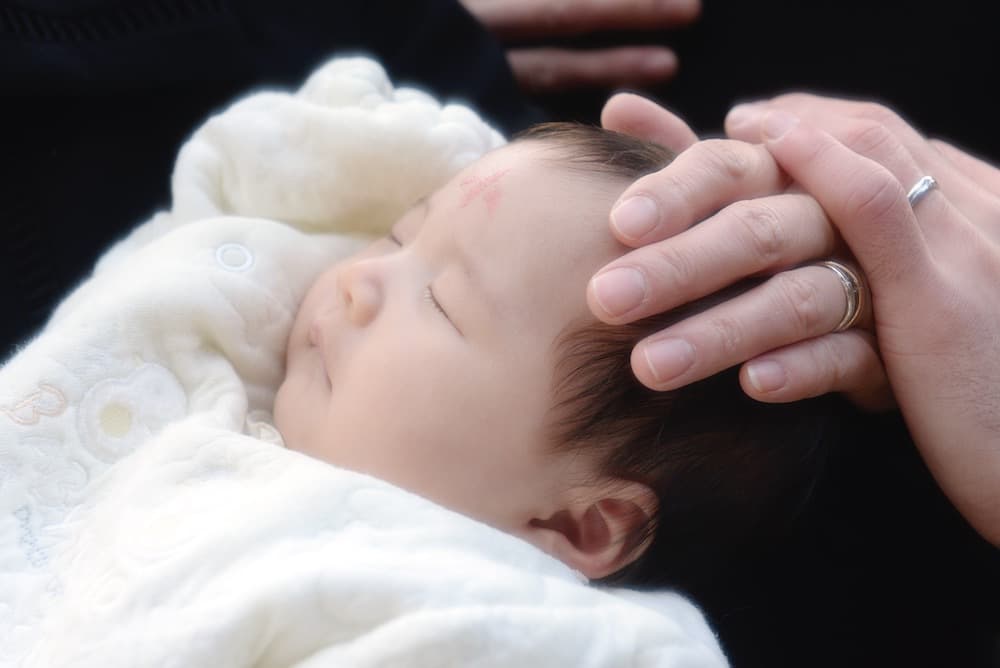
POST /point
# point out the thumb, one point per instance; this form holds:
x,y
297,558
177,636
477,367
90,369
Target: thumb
x,y
865,202
635,115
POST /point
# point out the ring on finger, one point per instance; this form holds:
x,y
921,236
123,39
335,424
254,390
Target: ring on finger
x,y
920,190
855,290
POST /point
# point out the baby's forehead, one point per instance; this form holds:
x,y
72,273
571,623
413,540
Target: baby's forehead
x,y
534,187
530,228
524,164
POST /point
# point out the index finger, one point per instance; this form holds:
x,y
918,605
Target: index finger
x,y
640,117
699,182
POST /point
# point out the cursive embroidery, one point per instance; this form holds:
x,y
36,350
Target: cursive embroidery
x,y
47,401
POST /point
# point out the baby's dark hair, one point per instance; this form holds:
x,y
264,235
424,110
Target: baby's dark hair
x,y
728,472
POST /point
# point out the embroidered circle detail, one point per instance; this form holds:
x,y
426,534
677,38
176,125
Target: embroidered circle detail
x,y
234,257
116,419
117,414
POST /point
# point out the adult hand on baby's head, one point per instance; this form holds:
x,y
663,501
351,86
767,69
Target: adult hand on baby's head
x,y
878,133
933,269
637,116
549,69
752,225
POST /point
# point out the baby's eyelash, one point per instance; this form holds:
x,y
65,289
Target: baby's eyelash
x,y
394,239
429,296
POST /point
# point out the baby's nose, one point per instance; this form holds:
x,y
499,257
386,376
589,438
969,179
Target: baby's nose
x,y
361,293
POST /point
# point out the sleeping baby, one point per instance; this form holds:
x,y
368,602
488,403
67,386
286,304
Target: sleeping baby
x,y
373,282
456,357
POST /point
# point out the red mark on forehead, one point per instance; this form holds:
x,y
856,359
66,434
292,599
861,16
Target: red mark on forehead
x,y
486,187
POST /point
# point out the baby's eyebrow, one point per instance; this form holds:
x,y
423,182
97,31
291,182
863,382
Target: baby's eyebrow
x,y
424,205
475,286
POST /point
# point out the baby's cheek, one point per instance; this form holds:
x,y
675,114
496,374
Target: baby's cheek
x,y
323,284
281,421
296,411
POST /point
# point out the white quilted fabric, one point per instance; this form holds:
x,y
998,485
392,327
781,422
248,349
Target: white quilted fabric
x,y
148,513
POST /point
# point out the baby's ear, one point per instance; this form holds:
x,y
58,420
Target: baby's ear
x,y
600,529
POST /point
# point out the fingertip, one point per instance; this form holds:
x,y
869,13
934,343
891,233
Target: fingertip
x,y
614,293
642,370
626,109
665,363
634,217
658,63
845,362
776,124
768,381
765,376
598,309
633,114
743,121
611,111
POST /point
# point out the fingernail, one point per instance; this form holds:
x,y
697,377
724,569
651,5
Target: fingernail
x,y
766,376
669,358
743,114
635,217
619,290
777,123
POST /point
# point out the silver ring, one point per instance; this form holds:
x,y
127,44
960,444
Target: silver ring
x,y
854,289
920,190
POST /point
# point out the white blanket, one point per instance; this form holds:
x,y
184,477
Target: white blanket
x,y
148,513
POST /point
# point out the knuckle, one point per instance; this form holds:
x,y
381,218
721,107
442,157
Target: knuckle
x,y
789,98
819,369
675,269
802,301
871,139
878,113
796,100
728,333
761,229
875,198
730,158
834,367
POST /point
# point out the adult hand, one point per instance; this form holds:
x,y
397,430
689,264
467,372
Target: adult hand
x,y
550,69
933,270
879,133
933,275
753,224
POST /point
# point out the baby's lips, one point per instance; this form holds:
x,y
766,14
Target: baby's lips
x,y
315,333
317,338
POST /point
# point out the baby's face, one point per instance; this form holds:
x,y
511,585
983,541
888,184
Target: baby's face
x,y
426,360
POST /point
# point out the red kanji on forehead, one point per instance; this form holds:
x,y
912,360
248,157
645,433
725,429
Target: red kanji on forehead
x,y
485,186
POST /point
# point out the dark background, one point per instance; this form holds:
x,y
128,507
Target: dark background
x,y
936,63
